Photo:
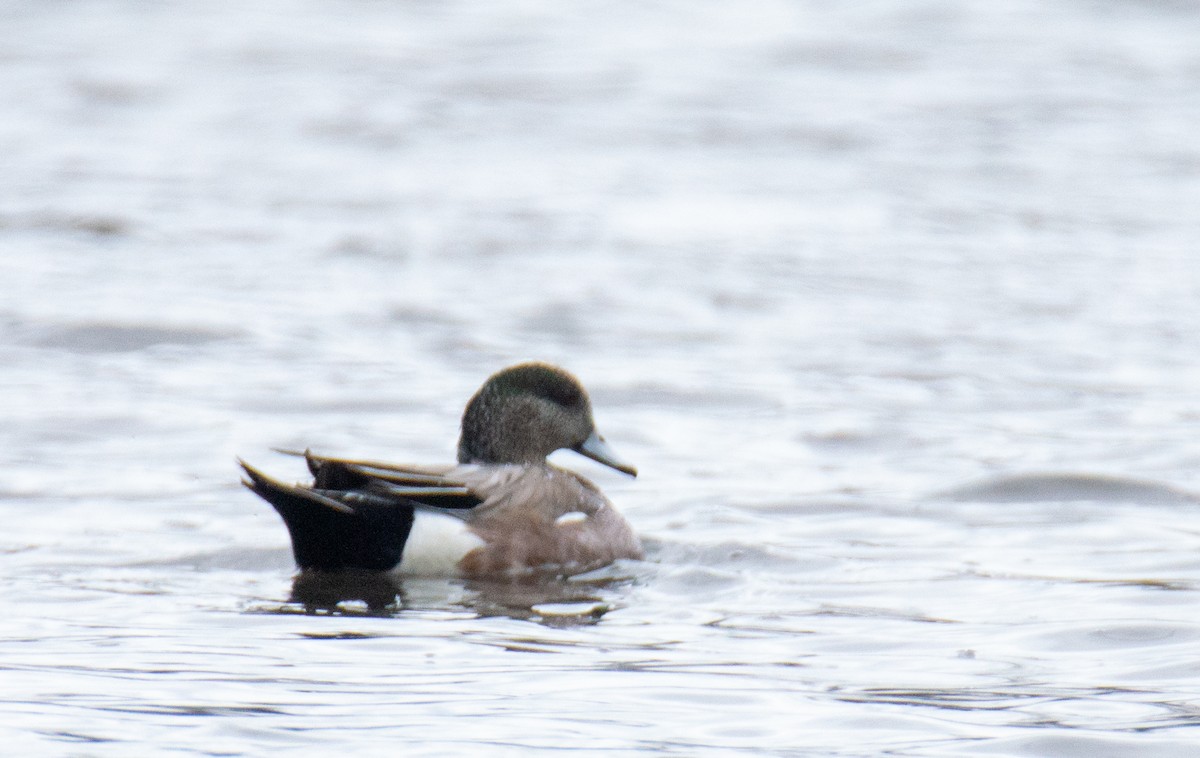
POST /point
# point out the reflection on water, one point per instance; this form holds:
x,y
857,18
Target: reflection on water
x,y
556,602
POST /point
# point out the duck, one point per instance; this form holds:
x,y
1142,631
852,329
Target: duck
x,y
502,510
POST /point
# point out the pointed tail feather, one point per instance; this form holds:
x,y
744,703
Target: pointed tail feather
x,y
331,535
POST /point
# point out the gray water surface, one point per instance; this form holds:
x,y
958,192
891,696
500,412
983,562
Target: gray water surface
x,y
894,305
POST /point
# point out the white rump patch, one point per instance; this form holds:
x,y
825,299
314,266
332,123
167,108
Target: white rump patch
x,y
435,545
574,517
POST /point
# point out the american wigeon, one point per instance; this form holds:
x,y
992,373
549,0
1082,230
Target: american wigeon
x,y
503,510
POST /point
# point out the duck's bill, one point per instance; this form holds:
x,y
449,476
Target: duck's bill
x,y
597,449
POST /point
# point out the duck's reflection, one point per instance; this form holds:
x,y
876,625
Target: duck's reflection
x,y
553,601
339,591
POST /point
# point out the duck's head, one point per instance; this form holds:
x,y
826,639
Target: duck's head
x,y
527,411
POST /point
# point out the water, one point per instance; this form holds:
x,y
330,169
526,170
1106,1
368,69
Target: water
x,y
893,305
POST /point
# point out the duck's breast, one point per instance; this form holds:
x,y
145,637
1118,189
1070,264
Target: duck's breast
x,y
548,520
